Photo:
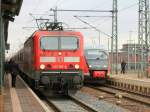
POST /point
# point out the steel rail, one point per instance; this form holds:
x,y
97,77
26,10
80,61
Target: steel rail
x,y
130,96
82,104
53,106
57,108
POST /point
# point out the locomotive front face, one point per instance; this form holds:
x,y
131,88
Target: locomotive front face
x,y
97,61
59,53
59,60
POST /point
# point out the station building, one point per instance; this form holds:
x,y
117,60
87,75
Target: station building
x,y
130,53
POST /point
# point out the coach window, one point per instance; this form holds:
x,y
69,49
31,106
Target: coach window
x,y
69,43
49,43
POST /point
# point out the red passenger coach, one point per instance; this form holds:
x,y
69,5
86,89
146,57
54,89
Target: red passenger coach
x,y
53,60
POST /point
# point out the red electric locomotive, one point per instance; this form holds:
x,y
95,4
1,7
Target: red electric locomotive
x,y
53,60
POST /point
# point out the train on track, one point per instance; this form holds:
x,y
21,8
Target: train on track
x,y
98,66
53,60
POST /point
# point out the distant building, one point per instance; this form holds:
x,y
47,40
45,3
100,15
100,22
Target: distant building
x,y
130,53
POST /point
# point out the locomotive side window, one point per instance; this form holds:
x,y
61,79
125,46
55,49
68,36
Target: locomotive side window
x,y
49,43
69,43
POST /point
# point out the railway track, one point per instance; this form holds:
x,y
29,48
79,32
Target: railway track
x,y
130,101
142,98
81,102
138,87
126,94
68,104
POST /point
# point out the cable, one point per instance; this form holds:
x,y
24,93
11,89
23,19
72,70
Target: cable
x,y
55,5
93,27
121,10
94,16
105,20
132,5
67,10
101,4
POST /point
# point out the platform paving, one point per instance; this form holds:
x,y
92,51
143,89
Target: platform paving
x,y
7,104
20,98
1,103
131,76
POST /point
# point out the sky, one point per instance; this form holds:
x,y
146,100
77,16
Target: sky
x,y
127,21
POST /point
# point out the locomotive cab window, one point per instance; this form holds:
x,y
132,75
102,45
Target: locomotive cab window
x,y
69,43
49,43
59,43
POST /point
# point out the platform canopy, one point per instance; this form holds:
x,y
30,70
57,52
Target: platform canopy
x,y
9,9
11,6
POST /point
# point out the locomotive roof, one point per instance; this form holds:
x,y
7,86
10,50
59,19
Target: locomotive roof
x,y
64,31
96,49
46,32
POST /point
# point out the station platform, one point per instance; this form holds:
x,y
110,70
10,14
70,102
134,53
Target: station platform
x,y
131,82
20,99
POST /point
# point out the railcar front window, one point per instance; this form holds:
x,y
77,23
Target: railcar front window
x,y
69,43
97,55
49,43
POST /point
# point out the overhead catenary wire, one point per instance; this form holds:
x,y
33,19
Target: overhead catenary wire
x,y
61,1
108,19
45,13
128,7
92,26
121,10
68,10
105,2
55,5
57,2
71,10
94,16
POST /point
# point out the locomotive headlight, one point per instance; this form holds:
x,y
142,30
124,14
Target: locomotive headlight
x,y
104,66
90,66
42,66
76,66
59,53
